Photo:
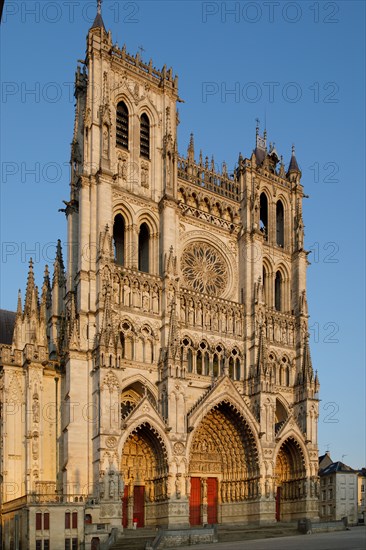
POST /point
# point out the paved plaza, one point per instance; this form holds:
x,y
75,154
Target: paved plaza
x,y
354,539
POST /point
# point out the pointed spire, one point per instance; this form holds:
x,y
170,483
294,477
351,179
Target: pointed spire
x,y
307,368
29,293
98,21
46,280
58,267
73,325
293,166
46,292
191,149
19,304
59,254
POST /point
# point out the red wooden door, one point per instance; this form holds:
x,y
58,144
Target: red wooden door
x,y
125,508
139,505
278,504
195,502
212,500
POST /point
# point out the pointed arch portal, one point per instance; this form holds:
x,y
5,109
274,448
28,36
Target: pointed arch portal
x,y
224,467
290,479
145,473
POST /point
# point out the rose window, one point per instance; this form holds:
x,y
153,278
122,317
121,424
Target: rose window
x,y
204,269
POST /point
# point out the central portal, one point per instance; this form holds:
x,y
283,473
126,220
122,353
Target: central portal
x,y
223,467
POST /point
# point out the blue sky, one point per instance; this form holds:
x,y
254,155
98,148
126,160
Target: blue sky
x,y
297,66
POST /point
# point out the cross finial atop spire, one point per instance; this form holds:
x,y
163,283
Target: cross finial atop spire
x,y
99,7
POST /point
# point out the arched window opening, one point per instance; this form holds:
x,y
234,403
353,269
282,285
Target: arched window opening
x,y
145,136
263,215
129,351
199,362
215,366
264,276
237,369
222,364
123,345
280,233
147,348
206,365
122,126
190,360
231,368
278,291
144,241
119,239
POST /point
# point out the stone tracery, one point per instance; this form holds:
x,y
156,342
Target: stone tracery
x,y
204,269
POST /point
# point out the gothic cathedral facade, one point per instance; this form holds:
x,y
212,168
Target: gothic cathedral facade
x,y
164,378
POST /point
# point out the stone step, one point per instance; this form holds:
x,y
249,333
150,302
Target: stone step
x,y
234,533
134,539
137,539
